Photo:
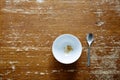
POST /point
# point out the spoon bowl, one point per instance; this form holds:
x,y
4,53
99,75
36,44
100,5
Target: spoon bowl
x,y
90,38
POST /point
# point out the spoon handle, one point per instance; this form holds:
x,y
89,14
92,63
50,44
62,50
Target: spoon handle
x,y
88,64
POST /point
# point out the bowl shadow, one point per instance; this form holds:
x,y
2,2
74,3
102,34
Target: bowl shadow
x,y
61,71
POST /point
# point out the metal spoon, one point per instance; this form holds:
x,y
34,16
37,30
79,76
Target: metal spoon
x,y
90,39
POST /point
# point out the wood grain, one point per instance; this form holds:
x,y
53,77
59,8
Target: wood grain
x,y
29,27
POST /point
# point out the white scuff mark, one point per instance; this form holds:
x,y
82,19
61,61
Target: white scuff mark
x,y
18,74
94,56
40,1
100,23
18,11
7,1
107,1
46,72
105,77
117,42
38,64
28,72
73,1
48,54
105,72
99,12
30,56
117,7
8,72
12,53
23,11
12,47
113,55
107,66
43,60
13,67
18,49
85,11
72,70
9,41
13,62
1,74
54,71
47,42
50,7
27,64
36,72
52,36
101,37
9,10
34,48
101,51
49,34
26,48
42,73
27,12
16,1
112,49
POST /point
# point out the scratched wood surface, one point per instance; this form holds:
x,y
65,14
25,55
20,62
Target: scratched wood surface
x,y
29,27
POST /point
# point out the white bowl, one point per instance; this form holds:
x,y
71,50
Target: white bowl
x,y
67,49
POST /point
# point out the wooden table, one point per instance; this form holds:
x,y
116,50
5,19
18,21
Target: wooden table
x,y
29,27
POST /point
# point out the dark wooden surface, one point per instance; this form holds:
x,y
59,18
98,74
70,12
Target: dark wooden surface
x,y
28,29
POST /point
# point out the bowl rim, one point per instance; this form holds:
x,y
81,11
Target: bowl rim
x,y
71,35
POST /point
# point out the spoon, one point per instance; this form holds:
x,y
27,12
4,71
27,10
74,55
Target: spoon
x,y
90,39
